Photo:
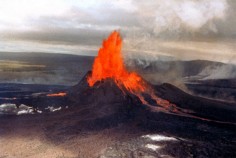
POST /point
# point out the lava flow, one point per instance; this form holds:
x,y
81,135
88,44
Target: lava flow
x,y
109,64
60,94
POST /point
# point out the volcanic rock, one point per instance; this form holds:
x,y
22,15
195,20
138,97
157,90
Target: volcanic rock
x,y
105,98
202,107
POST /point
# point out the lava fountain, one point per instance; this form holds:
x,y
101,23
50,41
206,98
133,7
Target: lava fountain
x,y
109,64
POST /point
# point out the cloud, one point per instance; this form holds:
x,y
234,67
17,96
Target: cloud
x,y
181,18
162,19
72,36
143,23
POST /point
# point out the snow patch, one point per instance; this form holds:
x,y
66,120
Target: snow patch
x,y
53,109
13,110
157,137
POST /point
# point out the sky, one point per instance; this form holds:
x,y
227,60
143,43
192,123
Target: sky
x,y
183,29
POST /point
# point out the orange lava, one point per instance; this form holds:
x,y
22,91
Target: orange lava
x,y
109,64
60,94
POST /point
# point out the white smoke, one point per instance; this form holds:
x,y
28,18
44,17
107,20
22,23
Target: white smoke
x,y
219,72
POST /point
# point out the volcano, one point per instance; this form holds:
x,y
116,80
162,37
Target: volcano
x,y
109,83
109,70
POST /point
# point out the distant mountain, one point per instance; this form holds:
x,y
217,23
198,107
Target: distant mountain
x,y
43,68
64,69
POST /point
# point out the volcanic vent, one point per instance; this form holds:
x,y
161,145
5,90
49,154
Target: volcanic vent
x,y
115,83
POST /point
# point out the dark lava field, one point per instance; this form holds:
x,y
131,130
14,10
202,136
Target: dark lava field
x,y
104,121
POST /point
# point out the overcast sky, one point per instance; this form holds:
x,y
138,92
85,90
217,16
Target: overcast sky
x,y
186,29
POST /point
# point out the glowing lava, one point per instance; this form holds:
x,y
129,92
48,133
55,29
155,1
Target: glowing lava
x,y
109,64
60,94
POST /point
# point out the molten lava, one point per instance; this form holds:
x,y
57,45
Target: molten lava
x,y
109,64
60,94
